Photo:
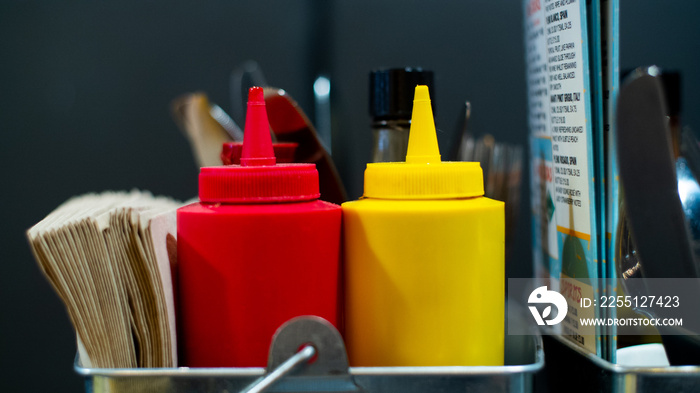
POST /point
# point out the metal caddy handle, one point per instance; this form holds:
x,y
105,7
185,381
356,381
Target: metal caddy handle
x,y
307,355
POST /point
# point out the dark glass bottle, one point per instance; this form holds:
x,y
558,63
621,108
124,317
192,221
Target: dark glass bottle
x,y
390,105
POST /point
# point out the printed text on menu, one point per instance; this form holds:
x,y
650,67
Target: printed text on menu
x,y
567,115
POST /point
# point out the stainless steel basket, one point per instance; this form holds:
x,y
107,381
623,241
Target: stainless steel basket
x,y
524,356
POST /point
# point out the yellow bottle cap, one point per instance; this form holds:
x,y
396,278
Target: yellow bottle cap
x,y
423,175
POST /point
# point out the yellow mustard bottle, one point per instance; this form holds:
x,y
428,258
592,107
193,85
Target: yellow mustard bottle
x,y
424,260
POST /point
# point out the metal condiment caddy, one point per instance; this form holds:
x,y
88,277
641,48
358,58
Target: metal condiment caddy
x,y
308,355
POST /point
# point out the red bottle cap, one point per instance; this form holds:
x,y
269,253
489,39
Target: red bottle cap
x,y
258,179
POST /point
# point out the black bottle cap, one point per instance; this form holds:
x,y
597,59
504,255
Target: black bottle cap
x,y
391,91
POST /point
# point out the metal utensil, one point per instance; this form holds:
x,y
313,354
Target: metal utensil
x,y
654,210
226,122
648,176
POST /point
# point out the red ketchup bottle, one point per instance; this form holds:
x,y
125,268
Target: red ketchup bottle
x,y
258,249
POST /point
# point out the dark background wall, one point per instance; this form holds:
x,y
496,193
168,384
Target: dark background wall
x,y
86,88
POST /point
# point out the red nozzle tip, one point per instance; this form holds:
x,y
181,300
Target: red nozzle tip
x,y
255,95
257,144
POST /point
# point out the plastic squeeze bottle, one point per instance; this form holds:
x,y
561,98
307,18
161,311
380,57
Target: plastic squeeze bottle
x,y
257,250
424,260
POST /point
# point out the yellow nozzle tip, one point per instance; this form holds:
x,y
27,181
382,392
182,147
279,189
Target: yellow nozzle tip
x,y
422,139
421,93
